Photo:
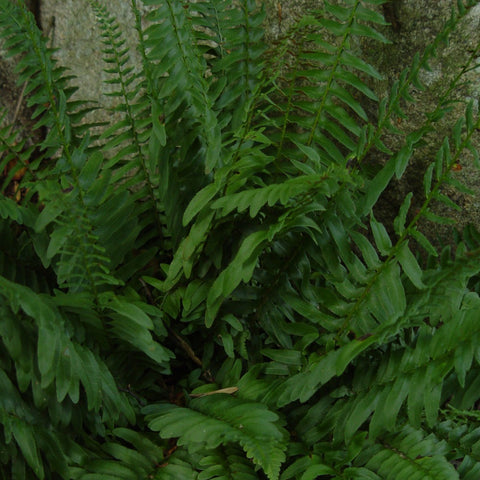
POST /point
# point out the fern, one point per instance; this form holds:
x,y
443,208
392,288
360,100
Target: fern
x,y
205,289
248,424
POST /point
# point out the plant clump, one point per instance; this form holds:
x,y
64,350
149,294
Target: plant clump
x,y
202,290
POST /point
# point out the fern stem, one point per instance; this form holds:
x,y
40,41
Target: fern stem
x,y
147,70
102,15
333,70
289,109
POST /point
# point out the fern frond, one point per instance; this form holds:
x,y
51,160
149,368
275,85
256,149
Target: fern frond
x,y
174,61
131,323
59,358
128,135
55,373
233,36
250,425
228,464
409,454
327,116
47,88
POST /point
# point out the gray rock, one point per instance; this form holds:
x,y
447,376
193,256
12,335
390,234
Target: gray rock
x,y
419,22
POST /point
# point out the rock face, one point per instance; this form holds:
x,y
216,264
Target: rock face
x,y
414,25
71,27
417,24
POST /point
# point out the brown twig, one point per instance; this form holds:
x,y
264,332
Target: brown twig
x,y
19,104
181,341
188,349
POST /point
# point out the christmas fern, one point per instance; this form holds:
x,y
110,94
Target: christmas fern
x,y
204,288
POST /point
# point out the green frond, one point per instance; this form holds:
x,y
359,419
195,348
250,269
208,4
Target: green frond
x,y
127,136
228,464
47,88
250,425
181,71
322,101
409,454
232,36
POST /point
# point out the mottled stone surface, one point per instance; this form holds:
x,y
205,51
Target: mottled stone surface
x,y
72,27
419,23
